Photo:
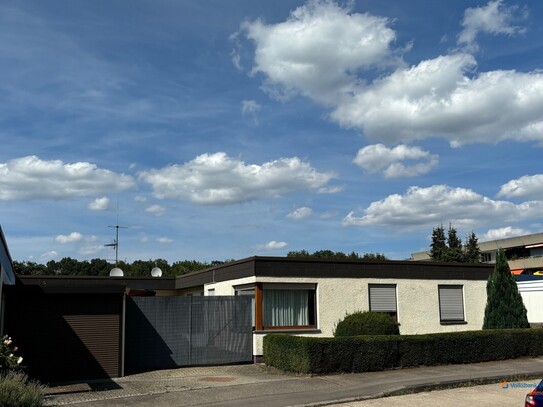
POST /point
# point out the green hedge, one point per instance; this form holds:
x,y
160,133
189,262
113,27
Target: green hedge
x,y
372,353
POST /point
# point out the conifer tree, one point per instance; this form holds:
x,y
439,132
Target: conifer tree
x,y
438,248
504,306
472,253
454,253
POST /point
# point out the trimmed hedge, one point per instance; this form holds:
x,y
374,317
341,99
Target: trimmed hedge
x,y
367,323
372,353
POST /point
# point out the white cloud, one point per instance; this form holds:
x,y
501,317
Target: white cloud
x,y
502,233
164,240
322,51
30,178
441,204
273,245
251,107
140,198
318,48
99,204
526,186
71,238
156,210
216,179
436,98
377,158
494,18
301,213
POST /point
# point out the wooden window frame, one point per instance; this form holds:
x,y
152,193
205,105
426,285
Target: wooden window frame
x,y
259,326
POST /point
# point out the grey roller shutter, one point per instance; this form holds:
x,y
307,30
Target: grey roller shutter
x,y
451,303
383,297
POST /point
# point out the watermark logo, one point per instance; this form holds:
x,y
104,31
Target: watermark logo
x,y
517,385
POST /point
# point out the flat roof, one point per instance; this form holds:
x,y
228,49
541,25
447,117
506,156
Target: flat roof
x,y
96,283
309,267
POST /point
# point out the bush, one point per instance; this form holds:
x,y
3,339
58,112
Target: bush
x,y
16,390
8,359
367,323
380,352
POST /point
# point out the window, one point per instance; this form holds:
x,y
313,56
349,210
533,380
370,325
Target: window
x,y
211,292
486,257
383,299
250,292
282,306
451,304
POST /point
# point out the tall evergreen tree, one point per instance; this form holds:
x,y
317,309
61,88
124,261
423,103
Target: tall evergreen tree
x,y
504,306
472,253
454,253
438,248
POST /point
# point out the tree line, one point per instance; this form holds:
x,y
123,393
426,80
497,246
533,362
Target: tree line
x,y
100,267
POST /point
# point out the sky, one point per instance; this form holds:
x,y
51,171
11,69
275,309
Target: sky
x,y
218,130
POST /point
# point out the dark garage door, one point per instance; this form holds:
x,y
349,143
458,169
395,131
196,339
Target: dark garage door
x,y
66,337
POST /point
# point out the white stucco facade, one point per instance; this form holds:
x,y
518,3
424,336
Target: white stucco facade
x,y
418,309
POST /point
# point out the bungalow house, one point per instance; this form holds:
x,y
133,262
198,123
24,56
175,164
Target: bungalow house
x,y
305,296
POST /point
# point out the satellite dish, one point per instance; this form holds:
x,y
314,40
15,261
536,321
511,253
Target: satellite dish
x,y
116,272
156,272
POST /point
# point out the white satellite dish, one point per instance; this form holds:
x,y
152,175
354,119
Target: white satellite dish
x,y
156,272
116,272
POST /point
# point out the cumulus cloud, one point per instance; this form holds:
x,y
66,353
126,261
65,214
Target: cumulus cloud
x,y
72,237
30,178
156,210
378,158
217,179
99,204
317,49
437,98
494,18
301,213
526,186
323,51
426,207
273,245
502,233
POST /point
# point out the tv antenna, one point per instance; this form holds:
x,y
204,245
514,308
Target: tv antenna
x,y
115,243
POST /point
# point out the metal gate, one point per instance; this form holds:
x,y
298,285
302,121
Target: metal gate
x,y
168,332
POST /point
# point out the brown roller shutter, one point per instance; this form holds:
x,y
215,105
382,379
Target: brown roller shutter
x,y
99,334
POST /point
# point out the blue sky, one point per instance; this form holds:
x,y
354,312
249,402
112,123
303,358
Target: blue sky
x,y
219,130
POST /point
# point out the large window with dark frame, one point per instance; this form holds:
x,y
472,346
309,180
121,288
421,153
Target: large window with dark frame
x,y
282,306
383,299
451,304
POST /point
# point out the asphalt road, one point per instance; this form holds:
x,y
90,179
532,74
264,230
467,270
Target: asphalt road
x,y
487,395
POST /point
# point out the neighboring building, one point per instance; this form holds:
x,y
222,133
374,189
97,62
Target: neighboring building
x,y
531,290
7,277
306,296
524,253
